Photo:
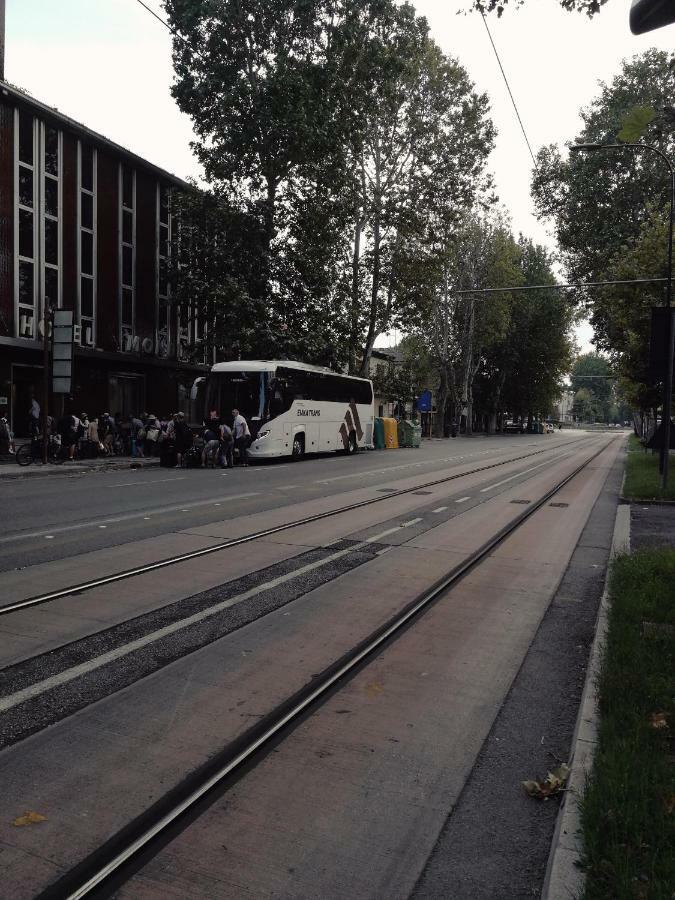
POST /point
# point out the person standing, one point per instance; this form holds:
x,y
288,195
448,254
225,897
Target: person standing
x,y
152,432
226,446
34,418
241,436
137,435
183,437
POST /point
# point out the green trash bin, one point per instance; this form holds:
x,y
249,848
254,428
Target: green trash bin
x,y
403,435
378,434
409,434
540,427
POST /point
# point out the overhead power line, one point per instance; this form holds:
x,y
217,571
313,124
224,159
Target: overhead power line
x,y
164,22
508,88
555,287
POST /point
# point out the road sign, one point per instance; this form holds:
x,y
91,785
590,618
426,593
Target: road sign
x,y
424,402
62,351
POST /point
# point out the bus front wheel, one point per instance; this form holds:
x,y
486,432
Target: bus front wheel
x,y
298,446
352,446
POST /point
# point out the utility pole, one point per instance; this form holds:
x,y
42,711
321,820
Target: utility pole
x,y
46,316
2,40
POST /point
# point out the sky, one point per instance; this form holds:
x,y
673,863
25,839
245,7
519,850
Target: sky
x,y
107,64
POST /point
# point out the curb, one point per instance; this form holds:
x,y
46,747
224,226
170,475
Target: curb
x,y
564,879
9,471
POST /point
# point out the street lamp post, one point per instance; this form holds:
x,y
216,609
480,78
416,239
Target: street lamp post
x,y
670,340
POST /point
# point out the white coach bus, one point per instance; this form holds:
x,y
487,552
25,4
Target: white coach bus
x,y
293,409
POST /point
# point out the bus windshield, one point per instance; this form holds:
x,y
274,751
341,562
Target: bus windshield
x,y
245,391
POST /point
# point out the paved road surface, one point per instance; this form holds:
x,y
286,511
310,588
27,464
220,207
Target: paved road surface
x,y
61,515
110,697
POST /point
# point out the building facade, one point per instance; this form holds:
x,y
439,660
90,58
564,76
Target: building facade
x,y
86,225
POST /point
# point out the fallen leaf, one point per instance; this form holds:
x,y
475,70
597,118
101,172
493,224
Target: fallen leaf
x,y
374,689
29,818
554,783
658,720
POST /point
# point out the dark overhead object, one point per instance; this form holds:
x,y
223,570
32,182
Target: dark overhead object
x,y
647,15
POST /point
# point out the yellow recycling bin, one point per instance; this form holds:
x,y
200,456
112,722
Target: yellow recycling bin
x,y
390,434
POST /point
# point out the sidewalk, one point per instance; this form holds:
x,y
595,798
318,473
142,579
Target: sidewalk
x,y
9,468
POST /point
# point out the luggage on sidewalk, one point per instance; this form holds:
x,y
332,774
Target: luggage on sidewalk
x,y
167,454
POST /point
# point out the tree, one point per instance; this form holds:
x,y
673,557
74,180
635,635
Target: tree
x,y
257,81
585,405
600,201
417,151
621,314
590,7
464,328
592,373
340,126
537,350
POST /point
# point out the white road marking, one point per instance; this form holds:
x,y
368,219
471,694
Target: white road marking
x,y
161,510
462,499
411,522
144,483
491,487
34,690
49,537
102,526
439,509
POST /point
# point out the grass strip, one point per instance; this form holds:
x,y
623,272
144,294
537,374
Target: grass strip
x,y
643,481
628,809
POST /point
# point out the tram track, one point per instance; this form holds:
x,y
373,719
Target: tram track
x,y
123,575
140,836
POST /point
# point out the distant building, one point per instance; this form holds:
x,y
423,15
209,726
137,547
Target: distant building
x,y
380,366
86,225
563,407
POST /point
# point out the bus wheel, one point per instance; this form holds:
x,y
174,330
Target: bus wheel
x,y
352,446
298,446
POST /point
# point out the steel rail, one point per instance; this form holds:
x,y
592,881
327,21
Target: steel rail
x,y
88,875
247,538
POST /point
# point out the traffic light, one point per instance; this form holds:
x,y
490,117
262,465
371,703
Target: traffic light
x,y
647,15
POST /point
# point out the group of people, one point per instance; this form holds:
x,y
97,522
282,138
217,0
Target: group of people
x,y
140,436
221,440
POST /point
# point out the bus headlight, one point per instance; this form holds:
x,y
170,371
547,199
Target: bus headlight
x,y
262,434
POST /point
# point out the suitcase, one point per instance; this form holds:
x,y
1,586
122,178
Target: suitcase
x,y
167,455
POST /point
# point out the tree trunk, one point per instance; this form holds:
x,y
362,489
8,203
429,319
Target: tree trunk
x,y
375,287
441,403
354,323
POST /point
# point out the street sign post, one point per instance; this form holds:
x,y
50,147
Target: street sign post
x,y
62,351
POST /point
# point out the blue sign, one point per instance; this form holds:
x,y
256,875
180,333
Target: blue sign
x,y
424,402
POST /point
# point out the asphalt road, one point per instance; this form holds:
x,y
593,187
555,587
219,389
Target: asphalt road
x,y
63,515
112,695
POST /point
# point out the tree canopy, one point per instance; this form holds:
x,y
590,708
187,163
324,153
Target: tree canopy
x,y
590,7
343,131
610,211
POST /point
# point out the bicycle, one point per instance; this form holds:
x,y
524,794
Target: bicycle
x,y
33,452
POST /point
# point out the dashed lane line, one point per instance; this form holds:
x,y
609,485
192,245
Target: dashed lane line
x,y
497,484
40,687
462,499
439,509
